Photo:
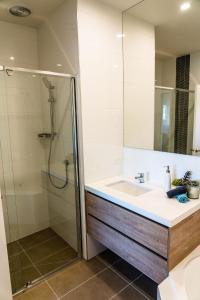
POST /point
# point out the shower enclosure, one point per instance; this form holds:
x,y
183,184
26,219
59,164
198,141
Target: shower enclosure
x,y
166,123
39,172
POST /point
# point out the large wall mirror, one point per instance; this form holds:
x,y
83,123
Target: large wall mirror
x,y
162,76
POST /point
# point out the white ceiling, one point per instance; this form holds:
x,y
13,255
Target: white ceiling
x,y
122,4
177,32
40,9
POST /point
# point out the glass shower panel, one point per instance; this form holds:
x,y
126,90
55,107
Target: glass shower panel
x,y
39,175
7,176
164,120
191,121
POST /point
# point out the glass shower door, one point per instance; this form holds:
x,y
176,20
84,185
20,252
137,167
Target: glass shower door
x,y
164,120
169,120
39,177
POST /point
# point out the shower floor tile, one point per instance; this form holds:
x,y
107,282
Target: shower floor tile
x,y
19,262
14,248
20,278
36,255
40,292
57,260
37,238
46,249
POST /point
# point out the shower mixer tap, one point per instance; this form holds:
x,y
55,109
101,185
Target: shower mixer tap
x,y
45,135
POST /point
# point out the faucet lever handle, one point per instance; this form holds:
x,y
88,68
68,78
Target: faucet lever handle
x,y
141,174
140,177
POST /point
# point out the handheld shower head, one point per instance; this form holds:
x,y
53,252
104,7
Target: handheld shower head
x,y
50,88
47,83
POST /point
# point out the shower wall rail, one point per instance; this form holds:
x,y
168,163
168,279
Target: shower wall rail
x,y
41,72
173,89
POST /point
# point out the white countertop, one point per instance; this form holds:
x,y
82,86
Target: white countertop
x,y
153,204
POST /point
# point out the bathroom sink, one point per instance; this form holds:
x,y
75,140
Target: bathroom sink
x,y
128,188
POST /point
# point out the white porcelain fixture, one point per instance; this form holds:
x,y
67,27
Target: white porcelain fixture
x,y
128,188
183,280
145,199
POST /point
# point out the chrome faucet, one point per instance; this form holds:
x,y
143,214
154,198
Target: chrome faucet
x,y
140,177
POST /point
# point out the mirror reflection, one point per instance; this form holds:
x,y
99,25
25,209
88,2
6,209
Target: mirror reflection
x,y
162,76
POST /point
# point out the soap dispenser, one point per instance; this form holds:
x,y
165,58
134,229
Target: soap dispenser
x,y
167,179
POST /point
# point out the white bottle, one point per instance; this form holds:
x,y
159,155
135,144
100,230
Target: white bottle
x,y
167,180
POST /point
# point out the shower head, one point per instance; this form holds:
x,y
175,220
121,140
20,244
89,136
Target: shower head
x,y
47,83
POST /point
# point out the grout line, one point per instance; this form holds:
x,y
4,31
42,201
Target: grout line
x,y
39,244
45,280
54,270
16,254
124,288
138,277
116,294
40,273
50,255
118,273
129,285
114,271
84,282
139,290
50,287
20,245
108,264
60,267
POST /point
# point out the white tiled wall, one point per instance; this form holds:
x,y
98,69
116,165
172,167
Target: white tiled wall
x,y
101,87
20,42
100,53
139,78
57,40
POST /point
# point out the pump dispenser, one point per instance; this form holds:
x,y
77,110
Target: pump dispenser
x,y
167,179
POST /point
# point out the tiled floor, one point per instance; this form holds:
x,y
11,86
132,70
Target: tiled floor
x,y
105,277
36,255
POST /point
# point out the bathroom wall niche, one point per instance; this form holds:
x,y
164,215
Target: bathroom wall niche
x,y
162,76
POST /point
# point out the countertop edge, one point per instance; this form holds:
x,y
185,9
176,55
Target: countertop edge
x,y
142,212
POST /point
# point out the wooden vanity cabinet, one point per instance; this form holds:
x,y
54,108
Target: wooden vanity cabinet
x,y
152,248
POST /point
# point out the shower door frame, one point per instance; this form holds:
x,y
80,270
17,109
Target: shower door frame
x,y
9,70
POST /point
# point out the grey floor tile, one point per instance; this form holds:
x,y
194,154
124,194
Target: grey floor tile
x,y
19,262
75,275
50,247
57,260
21,278
14,248
109,257
101,287
129,294
40,292
36,238
146,285
128,272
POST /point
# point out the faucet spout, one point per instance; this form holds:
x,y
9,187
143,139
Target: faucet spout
x,y
140,177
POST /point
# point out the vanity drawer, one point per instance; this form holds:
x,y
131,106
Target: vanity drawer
x,y
138,228
143,259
